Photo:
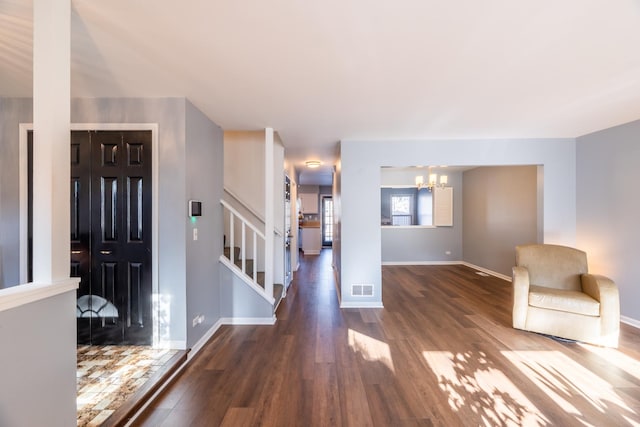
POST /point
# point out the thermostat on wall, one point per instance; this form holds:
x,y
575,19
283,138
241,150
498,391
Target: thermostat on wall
x,y
195,208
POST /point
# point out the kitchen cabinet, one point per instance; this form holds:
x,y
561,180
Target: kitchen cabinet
x,y
311,240
309,203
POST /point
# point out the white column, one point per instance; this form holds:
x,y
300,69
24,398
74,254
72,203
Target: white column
x,y
269,207
51,126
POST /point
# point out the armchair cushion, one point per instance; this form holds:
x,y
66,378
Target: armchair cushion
x,y
553,265
561,300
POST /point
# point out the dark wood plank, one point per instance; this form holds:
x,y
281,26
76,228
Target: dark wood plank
x,y
441,352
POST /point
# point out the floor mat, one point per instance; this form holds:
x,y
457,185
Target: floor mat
x,y
108,375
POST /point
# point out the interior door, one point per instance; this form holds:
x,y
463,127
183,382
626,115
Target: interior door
x,y
327,221
81,227
111,235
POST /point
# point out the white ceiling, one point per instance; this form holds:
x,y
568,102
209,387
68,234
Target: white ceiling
x,y
322,71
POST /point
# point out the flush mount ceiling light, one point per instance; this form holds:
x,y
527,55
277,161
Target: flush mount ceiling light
x,y
312,164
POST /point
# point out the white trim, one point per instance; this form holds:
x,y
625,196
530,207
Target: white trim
x,y
269,213
238,272
475,267
17,296
361,304
244,205
630,321
407,186
241,217
204,339
486,270
248,320
23,159
421,262
283,296
392,227
337,283
155,191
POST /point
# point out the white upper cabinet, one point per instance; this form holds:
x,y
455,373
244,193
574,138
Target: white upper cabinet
x,y
309,203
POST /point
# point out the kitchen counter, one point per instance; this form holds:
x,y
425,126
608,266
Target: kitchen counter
x,y
310,224
311,239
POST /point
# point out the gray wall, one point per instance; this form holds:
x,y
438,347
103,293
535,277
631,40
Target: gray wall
x,y
204,168
244,155
38,363
169,113
500,212
238,301
178,148
418,244
12,112
360,230
608,208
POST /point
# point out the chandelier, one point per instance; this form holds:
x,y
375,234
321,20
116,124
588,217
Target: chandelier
x,y
433,181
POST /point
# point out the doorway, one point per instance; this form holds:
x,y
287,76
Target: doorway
x,y
327,221
111,235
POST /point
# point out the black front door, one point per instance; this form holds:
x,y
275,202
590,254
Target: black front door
x,y
111,235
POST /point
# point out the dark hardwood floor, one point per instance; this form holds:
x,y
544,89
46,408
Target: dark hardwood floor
x,y
441,352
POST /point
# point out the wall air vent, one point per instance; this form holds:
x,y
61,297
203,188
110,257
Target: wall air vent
x,y
362,290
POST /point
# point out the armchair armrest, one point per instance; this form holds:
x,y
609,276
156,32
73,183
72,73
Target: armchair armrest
x,y
520,284
600,288
605,291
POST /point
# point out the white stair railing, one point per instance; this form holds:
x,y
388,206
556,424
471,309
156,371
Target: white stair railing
x,y
257,240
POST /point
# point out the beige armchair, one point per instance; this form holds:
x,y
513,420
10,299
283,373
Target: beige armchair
x,y
554,294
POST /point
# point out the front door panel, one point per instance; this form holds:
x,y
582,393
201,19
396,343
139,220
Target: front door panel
x,y
120,216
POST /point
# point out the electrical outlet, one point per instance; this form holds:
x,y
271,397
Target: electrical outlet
x,y
447,252
195,234
195,322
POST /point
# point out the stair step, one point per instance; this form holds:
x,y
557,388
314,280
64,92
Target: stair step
x,y
277,291
236,252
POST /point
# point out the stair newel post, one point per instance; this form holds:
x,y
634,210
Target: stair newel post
x,y
243,248
269,217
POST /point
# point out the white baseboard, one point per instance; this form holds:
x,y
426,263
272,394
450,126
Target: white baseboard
x,y
358,304
630,321
421,262
248,320
475,267
203,340
486,270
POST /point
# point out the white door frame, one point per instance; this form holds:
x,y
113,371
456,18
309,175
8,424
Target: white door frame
x,y
24,198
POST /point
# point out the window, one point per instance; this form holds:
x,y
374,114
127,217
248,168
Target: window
x,y
406,206
327,221
402,209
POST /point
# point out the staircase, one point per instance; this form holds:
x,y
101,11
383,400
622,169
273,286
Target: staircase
x,y
248,258
249,265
